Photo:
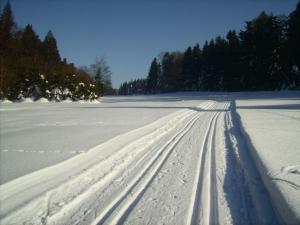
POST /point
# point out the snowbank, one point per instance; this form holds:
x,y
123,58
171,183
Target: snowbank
x,y
42,100
26,100
67,100
5,101
45,100
88,102
94,102
272,130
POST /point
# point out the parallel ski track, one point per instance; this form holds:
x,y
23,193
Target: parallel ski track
x,y
139,184
203,208
85,192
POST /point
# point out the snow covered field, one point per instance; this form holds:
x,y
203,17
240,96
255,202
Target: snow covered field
x,y
183,158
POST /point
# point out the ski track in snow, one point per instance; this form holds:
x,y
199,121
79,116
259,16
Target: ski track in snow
x,y
192,169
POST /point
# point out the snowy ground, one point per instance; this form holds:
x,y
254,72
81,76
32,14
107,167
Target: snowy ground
x,y
170,159
272,128
47,133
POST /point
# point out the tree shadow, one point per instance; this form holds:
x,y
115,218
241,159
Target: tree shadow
x,y
246,195
154,108
283,107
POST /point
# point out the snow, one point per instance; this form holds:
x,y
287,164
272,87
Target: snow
x,y
26,100
88,102
180,158
274,131
42,100
59,129
94,101
5,101
67,100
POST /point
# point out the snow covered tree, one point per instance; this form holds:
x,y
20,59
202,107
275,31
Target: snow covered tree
x,y
32,68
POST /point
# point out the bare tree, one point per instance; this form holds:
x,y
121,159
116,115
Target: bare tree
x,y
100,71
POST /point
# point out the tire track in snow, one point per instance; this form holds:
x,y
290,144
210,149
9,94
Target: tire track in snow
x,y
149,172
203,208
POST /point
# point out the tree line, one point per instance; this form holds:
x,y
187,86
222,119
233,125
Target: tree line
x,y
31,67
265,55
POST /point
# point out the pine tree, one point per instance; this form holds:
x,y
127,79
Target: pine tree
x,y
50,50
293,47
7,26
233,70
196,67
187,69
30,47
261,42
294,34
29,63
172,71
208,76
153,75
31,68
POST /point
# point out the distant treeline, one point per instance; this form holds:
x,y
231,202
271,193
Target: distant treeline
x,y
263,56
30,67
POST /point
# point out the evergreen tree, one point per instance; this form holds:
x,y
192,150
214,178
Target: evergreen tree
x,y
264,56
187,69
208,76
31,68
172,71
261,42
294,35
50,50
293,48
153,76
7,27
134,87
233,69
30,47
123,90
29,62
196,74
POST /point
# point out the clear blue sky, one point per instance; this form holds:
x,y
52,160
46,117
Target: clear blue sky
x,y
130,33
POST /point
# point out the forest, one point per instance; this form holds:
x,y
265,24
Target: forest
x,y
264,56
33,68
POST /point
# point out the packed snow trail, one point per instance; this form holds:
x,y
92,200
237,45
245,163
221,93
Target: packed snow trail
x,y
191,167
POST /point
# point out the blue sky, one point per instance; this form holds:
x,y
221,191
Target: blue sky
x,y
130,33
